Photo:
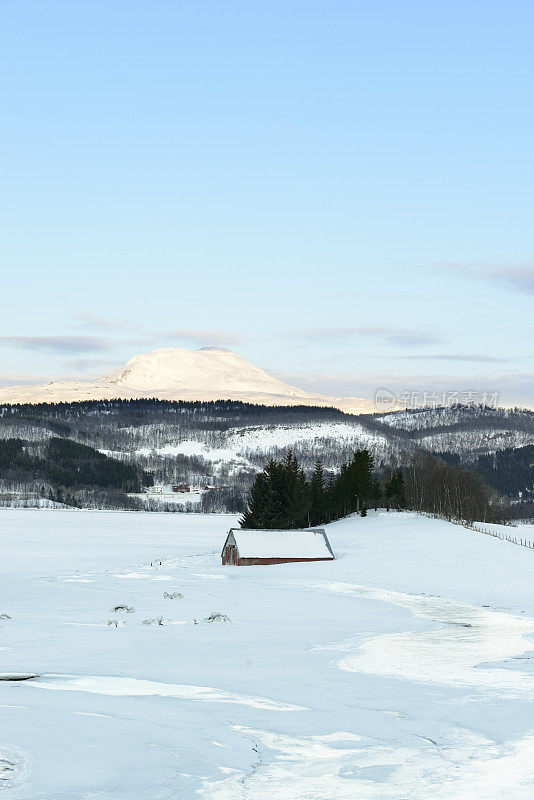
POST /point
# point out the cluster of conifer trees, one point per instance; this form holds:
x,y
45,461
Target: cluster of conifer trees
x,y
282,497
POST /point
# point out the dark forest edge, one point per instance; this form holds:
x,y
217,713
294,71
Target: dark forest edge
x,y
283,498
144,406
68,472
222,407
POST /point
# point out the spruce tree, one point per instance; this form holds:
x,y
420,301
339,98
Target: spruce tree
x,y
294,494
279,497
376,493
258,502
394,490
317,496
361,470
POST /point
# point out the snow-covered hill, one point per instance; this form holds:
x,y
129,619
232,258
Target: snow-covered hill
x,y
466,430
211,373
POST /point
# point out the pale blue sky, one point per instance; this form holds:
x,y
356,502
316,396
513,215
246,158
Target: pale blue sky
x,y
341,192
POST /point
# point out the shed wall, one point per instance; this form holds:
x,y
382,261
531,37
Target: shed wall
x,y
250,562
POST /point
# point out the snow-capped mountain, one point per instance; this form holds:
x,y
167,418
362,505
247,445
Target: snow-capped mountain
x,y
211,373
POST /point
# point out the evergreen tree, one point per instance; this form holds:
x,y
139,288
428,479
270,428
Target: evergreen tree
x,y
279,497
376,493
394,490
360,481
258,502
294,500
318,504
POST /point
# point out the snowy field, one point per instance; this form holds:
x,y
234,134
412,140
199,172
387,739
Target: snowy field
x,y
401,671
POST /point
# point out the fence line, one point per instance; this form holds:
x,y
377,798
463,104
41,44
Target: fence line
x,y
505,537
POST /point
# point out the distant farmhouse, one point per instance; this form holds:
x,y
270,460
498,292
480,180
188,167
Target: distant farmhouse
x,y
244,547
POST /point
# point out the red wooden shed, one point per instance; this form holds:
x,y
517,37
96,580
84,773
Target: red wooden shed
x,y
245,547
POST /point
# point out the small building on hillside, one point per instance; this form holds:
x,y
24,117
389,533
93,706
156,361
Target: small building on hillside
x,y
244,547
181,487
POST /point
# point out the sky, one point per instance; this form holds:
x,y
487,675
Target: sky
x,y
340,192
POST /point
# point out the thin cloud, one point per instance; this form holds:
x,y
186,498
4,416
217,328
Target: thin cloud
x,y
513,388
413,339
518,278
93,321
92,364
397,337
57,344
521,279
202,337
21,380
459,357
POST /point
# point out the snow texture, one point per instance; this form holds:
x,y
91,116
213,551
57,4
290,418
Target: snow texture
x,y
403,670
280,544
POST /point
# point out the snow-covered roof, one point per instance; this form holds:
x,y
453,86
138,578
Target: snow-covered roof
x,y
282,544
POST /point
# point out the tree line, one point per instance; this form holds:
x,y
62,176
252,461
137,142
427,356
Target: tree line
x,y
149,406
282,497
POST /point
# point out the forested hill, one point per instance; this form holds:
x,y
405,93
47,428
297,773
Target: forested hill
x,y
225,443
510,471
63,470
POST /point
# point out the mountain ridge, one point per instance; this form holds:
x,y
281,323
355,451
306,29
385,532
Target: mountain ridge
x,y
210,373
